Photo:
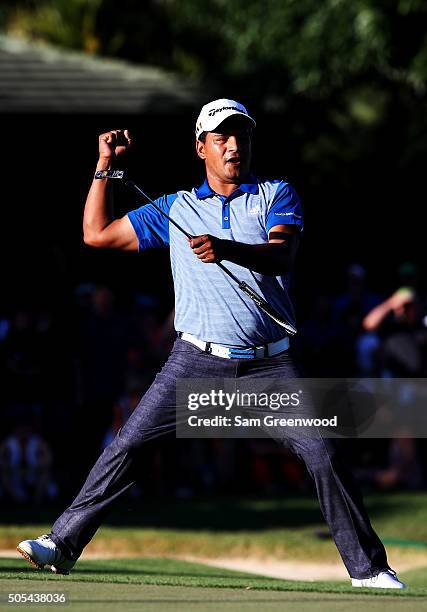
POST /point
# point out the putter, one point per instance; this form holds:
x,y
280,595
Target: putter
x,y
253,295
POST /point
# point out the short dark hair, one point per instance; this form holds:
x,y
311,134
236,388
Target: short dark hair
x,y
202,137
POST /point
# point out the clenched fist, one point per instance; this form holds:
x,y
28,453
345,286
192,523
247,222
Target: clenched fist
x,y
208,249
114,143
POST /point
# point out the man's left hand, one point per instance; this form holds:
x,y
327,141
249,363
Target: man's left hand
x,y
208,249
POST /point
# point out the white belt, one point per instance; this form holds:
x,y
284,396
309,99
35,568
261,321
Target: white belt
x,y
253,352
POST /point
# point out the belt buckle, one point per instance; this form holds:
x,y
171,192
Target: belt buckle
x,y
237,353
264,349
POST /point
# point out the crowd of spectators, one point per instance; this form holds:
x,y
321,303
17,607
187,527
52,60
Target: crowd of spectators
x,y
68,387
365,334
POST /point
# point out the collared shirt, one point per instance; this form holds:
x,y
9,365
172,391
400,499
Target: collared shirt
x,y
209,304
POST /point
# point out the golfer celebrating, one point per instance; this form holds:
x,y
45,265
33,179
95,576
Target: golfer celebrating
x,y
254,226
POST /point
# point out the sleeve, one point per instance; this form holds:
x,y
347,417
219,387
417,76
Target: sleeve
x,y
151,227
285,209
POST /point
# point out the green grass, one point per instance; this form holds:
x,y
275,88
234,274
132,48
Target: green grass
x,y
289,528
108,597
164,584
171,572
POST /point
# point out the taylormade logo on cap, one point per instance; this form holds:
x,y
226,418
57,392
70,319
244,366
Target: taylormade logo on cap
x,y
214,113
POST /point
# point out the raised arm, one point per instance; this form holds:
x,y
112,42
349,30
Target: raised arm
x,y
395,303
100,229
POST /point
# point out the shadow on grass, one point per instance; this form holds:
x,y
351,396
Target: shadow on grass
x,y
131,573
132,568
175,574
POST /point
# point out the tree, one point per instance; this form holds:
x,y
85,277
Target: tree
x,y
301,46
352,74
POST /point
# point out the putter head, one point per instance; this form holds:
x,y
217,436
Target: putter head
x,y
110,174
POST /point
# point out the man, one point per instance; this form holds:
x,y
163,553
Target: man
x,y
254,225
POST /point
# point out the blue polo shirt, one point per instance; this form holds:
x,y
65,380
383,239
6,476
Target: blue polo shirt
x,y
208,304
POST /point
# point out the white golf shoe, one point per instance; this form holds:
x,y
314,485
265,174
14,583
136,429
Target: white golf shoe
x,y
43,551
386,579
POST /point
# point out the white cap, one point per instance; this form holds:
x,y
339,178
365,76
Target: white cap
x,y
214,113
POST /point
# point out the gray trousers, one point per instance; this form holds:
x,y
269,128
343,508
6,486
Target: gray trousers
x,y
340,499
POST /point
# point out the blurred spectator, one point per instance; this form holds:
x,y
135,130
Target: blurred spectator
x,y
320,341
34,356
367,350
122,410
103,337
349,310
118,349
101,351
353,305
399,467
399,325
24,350
25,466
274,469
397,349
4,328
408,275
152,337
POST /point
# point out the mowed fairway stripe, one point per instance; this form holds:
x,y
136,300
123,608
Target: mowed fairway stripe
x,y
85,597
169,584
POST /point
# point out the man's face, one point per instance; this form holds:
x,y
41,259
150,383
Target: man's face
x,y
227,151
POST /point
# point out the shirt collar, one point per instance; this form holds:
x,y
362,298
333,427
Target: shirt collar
x,y
251,186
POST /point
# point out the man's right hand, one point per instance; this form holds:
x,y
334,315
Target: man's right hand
x,y
114,143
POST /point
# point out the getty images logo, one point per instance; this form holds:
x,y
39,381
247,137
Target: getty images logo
x,y
214,111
